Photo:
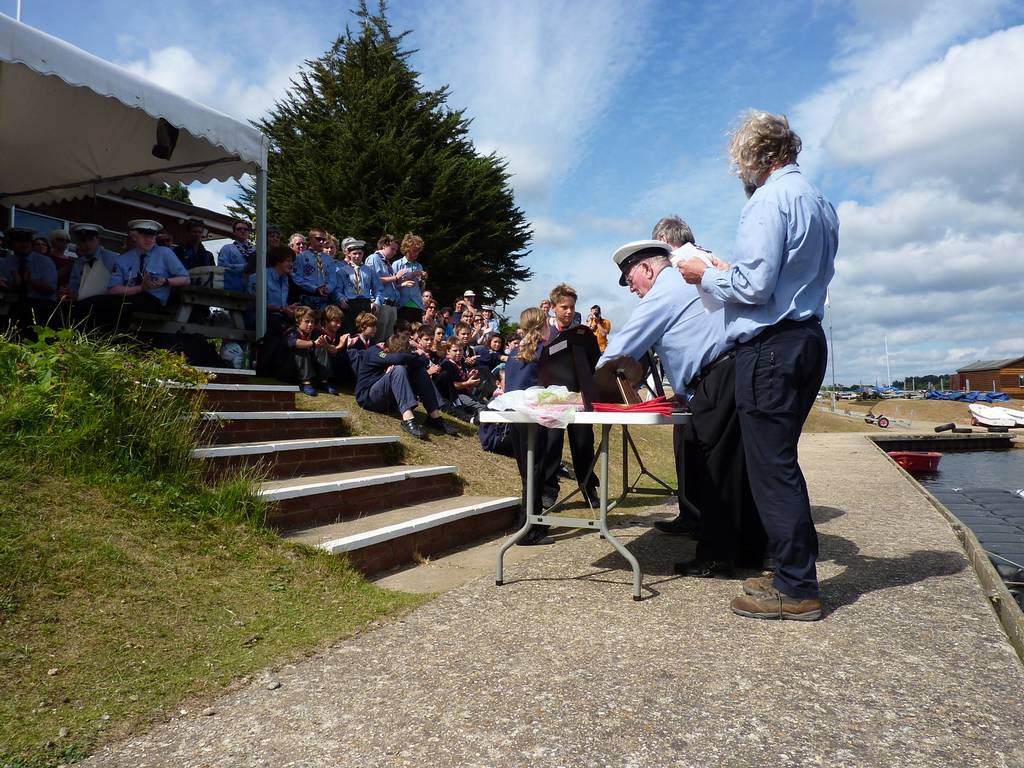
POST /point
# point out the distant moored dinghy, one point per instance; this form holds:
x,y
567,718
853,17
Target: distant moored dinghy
x,y
991,416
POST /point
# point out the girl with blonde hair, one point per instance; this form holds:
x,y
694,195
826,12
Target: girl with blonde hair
x,y
521,373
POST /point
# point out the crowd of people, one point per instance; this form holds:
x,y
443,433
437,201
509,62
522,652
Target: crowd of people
x,y
741,345
330,308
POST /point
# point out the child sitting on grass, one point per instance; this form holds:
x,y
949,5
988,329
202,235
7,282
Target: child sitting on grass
x,y
330,349
459,381
396,375
302,363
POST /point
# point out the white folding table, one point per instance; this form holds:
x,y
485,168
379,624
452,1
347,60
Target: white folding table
x,y
606,420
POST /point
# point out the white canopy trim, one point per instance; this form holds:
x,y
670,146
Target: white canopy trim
x,y
73,125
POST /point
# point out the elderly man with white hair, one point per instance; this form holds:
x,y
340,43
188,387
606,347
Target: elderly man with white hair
x,y
774,295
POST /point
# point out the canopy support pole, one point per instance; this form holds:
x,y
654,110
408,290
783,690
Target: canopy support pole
x,y
261,253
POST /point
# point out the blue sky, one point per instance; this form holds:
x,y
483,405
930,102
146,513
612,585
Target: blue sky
x,y
613,114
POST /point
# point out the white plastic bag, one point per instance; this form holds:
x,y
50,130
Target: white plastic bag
x,y
553,407
688,251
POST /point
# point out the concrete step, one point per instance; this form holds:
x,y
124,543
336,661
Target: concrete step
x,y
387,539
291,458
321,499
228,375
228,427
248,397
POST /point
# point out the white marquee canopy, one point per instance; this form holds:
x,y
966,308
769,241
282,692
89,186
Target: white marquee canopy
x,y
74,125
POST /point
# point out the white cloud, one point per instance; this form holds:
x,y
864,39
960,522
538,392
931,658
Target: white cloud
x,y
922,124
888,41
534,76
217,80
215,196
961,117
550,232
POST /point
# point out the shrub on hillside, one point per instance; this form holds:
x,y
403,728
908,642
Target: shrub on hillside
x,y
77,401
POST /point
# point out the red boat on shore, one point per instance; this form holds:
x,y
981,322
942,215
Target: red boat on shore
x,y
917,461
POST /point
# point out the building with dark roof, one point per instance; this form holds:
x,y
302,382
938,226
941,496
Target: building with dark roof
x,y
1005,375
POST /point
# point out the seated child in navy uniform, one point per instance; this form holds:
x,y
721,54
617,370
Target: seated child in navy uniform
x,y
302,364
457,381
331,350
396,375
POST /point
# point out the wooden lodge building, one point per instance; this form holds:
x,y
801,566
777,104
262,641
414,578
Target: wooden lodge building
x,y
988,375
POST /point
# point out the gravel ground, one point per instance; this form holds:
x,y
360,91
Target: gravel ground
x,y
561,668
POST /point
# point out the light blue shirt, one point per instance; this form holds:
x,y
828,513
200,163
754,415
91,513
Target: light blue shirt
x,y
671,318
107,258
376,263
159,262
40,268
369,286
277,288
412,294
234,257
313,270
783,260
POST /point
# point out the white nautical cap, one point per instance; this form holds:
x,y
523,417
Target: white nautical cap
x,y
84,230
145,225
350,242
469,293
638,250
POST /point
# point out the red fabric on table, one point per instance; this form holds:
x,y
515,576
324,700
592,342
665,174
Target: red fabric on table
x,y
660,405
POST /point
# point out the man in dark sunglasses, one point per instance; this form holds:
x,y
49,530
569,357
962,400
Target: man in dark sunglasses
x,y
315,273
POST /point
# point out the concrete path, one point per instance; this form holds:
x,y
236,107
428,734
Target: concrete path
x,y
561,668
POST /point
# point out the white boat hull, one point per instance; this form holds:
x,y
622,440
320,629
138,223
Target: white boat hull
x,y
1016,415
991,416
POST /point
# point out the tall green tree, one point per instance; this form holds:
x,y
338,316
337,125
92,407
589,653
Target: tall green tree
x,y
359,147
177,191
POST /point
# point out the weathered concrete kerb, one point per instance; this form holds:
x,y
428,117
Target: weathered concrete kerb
x,y
561,668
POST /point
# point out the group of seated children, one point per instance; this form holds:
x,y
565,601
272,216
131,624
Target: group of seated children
x,y
414,365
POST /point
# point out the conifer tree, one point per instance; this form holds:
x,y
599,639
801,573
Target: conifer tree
x,y
359,147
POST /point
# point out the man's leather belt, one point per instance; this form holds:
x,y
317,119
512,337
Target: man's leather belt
x,y
707,369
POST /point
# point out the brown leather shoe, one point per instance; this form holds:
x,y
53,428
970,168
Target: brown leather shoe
x,y
772,604
758,585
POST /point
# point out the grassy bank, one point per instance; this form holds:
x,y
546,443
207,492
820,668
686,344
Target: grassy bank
x,y
128,588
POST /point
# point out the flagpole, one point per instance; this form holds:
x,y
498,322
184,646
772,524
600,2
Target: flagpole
x,y
888,373
832,346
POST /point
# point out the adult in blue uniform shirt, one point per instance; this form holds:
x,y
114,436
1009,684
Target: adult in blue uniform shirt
x,y
280,313
410,289
144,275
33,274
33,277
389,279
699,362
315,273
237,257
93,260
90,253
774,295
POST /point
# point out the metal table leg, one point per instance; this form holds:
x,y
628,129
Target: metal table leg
x,y
633,563
531,494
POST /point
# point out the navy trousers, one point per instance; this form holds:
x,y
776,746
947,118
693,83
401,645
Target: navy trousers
x,y
715,476
778,374
404,386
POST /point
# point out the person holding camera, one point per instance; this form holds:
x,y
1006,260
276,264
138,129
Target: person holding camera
x,y
600,326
